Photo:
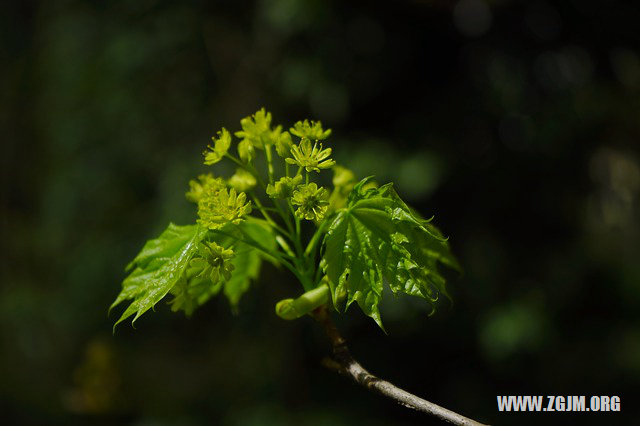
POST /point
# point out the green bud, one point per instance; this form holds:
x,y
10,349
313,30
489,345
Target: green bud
x,y
283,188
242,181
290,309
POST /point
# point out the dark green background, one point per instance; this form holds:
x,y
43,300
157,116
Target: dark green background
x,y
517,124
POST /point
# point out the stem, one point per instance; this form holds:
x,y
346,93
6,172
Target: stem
x,y
285,218
343,363
268,217
270,209
300,260
251,242
297,220
267,150
238,162
245,166
316,237
285,246
310,251
248,168
318,275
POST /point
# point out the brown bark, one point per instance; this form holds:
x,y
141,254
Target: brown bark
x,y
343,363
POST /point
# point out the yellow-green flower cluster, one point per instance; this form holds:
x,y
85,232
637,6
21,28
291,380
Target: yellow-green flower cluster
x,y
257,133
310,130
214,260
205,183
283,188
311,158
219,208
256,129
312,201
223,202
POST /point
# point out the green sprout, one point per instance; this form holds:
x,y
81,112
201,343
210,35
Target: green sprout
x,y
217,208
349,241
343,245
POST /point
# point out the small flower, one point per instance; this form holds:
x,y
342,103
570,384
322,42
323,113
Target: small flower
x,y
311,158
256,129
219,208
214,261
343,179
310,130
312,201
246,151
283,142
219,149
283,188
182,299
343,182
242,181
204,183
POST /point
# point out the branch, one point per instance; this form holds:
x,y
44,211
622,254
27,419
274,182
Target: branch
x,y
343,363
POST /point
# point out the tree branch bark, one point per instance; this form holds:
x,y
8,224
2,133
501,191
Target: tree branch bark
x,y
343,363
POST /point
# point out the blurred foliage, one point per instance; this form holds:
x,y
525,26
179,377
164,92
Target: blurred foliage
x,y
515,123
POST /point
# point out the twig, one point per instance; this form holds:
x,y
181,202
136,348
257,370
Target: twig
x,y
343,363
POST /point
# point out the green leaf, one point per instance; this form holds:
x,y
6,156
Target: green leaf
x,y
164,266
247,267
158,267
190,293
166,245
376,239
194,291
